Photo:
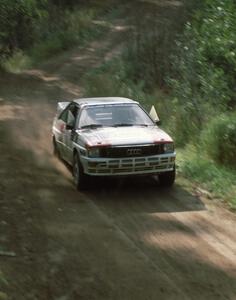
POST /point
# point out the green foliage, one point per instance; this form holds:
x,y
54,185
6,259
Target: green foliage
x,y
50,47
217,34
184,121
80,21
17,62
17,23
219,139
149,49
204,77
215,178
75,28
110,80
46,27
151,40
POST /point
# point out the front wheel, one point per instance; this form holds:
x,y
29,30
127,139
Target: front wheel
x,y
80,178
167,179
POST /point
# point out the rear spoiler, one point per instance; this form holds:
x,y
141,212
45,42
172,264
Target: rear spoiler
x,y
61,106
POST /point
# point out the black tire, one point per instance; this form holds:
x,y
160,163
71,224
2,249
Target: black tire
x,y
55,148
167,179
81,179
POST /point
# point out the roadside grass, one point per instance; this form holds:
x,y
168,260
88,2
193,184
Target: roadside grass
x,y
79,27
218,180
17,62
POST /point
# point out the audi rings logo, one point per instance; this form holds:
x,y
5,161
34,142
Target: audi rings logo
x,y
133,152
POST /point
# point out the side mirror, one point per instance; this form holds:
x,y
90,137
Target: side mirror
x,y
154,116
69,127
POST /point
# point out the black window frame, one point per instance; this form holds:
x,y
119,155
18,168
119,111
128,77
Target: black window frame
x,y
64,114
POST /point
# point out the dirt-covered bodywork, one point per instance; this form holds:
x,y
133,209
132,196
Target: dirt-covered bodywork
x,y
112,137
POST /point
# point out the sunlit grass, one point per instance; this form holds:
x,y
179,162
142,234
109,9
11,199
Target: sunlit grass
x,y
218,180
17,63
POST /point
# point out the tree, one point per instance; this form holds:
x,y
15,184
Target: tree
x,y
18,20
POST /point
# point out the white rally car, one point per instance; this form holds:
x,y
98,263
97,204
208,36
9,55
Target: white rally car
x,y
112,136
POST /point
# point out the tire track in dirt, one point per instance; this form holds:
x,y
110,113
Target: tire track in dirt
x,y
168,232
121,240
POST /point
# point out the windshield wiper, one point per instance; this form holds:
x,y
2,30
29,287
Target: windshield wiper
x,y
145,125
128,124
123,124
91,126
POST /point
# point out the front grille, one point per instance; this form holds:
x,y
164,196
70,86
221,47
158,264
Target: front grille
x,y
132,165
133,151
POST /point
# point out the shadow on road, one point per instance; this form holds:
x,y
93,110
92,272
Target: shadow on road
x,y
103,243
127,192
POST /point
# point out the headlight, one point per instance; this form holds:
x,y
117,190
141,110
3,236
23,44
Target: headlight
x,y
93,152
169,148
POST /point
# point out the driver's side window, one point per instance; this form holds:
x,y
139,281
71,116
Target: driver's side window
x,y
69,114
63,116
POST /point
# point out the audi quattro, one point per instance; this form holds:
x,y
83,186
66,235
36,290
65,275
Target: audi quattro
x,y
112,136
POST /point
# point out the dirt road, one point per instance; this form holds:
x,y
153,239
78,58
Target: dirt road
x,y
121,240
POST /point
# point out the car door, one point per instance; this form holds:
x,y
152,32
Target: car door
x,y
61,126
70,133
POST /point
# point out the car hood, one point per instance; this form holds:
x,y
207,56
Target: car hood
x,y
134,135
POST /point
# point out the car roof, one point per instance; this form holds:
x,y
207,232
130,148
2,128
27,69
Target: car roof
x,y
103,100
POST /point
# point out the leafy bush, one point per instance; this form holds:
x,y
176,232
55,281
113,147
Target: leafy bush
x,y
204,73
74,28
46,27
110,80
49,47
18,21
148,50
219,139
17,62
151,40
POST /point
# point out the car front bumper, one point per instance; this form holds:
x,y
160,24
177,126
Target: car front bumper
x,y
128,166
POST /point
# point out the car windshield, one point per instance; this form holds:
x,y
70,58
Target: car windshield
x,y
114,115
